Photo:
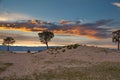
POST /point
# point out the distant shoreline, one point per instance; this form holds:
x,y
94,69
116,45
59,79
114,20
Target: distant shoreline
x,y
24,51
24,48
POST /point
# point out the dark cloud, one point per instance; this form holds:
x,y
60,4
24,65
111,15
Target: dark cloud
x,y
92,30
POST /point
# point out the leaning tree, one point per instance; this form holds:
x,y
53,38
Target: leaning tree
x,y
116,38
45,37
8,41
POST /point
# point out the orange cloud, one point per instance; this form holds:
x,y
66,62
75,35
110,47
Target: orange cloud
x,y
90,30
38,29
78,32
25,29
12,28
73,31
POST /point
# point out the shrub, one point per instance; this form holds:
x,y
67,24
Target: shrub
x,y
75,46
63,50
69,47
5,66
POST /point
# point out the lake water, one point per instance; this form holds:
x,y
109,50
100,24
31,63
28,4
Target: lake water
x,y
23,49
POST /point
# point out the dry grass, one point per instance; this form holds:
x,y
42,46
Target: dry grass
x,y
64,63
4,66
101,71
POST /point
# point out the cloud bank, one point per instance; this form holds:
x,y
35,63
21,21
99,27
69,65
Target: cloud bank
x,y
91,30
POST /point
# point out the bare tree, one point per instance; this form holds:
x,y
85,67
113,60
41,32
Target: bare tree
x,y
8,41
45,37
116,38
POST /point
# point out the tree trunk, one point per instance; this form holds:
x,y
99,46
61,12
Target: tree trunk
x,y
47,44
118,45
8,48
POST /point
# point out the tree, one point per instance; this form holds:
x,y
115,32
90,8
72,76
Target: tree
x,y
116,38
8,41
45,37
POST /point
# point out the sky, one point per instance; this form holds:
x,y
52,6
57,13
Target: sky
x,y
88,22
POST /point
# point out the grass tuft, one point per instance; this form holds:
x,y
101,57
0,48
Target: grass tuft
x,y
4,66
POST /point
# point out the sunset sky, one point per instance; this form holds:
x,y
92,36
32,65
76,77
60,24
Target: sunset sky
x,y
88,22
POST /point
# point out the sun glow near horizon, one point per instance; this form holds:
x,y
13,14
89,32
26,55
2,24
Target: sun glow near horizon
x,y
3,19
81,21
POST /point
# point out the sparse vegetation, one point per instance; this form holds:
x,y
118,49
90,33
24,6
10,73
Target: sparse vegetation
x,y
63,50
58,50
8,64
101,71
105,50
69,47
4,66
74,46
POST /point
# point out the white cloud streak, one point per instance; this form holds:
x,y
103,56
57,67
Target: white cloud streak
x,y
116,4
8,16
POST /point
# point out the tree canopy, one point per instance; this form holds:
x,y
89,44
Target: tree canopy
x,y
116,37
45,37
8,41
